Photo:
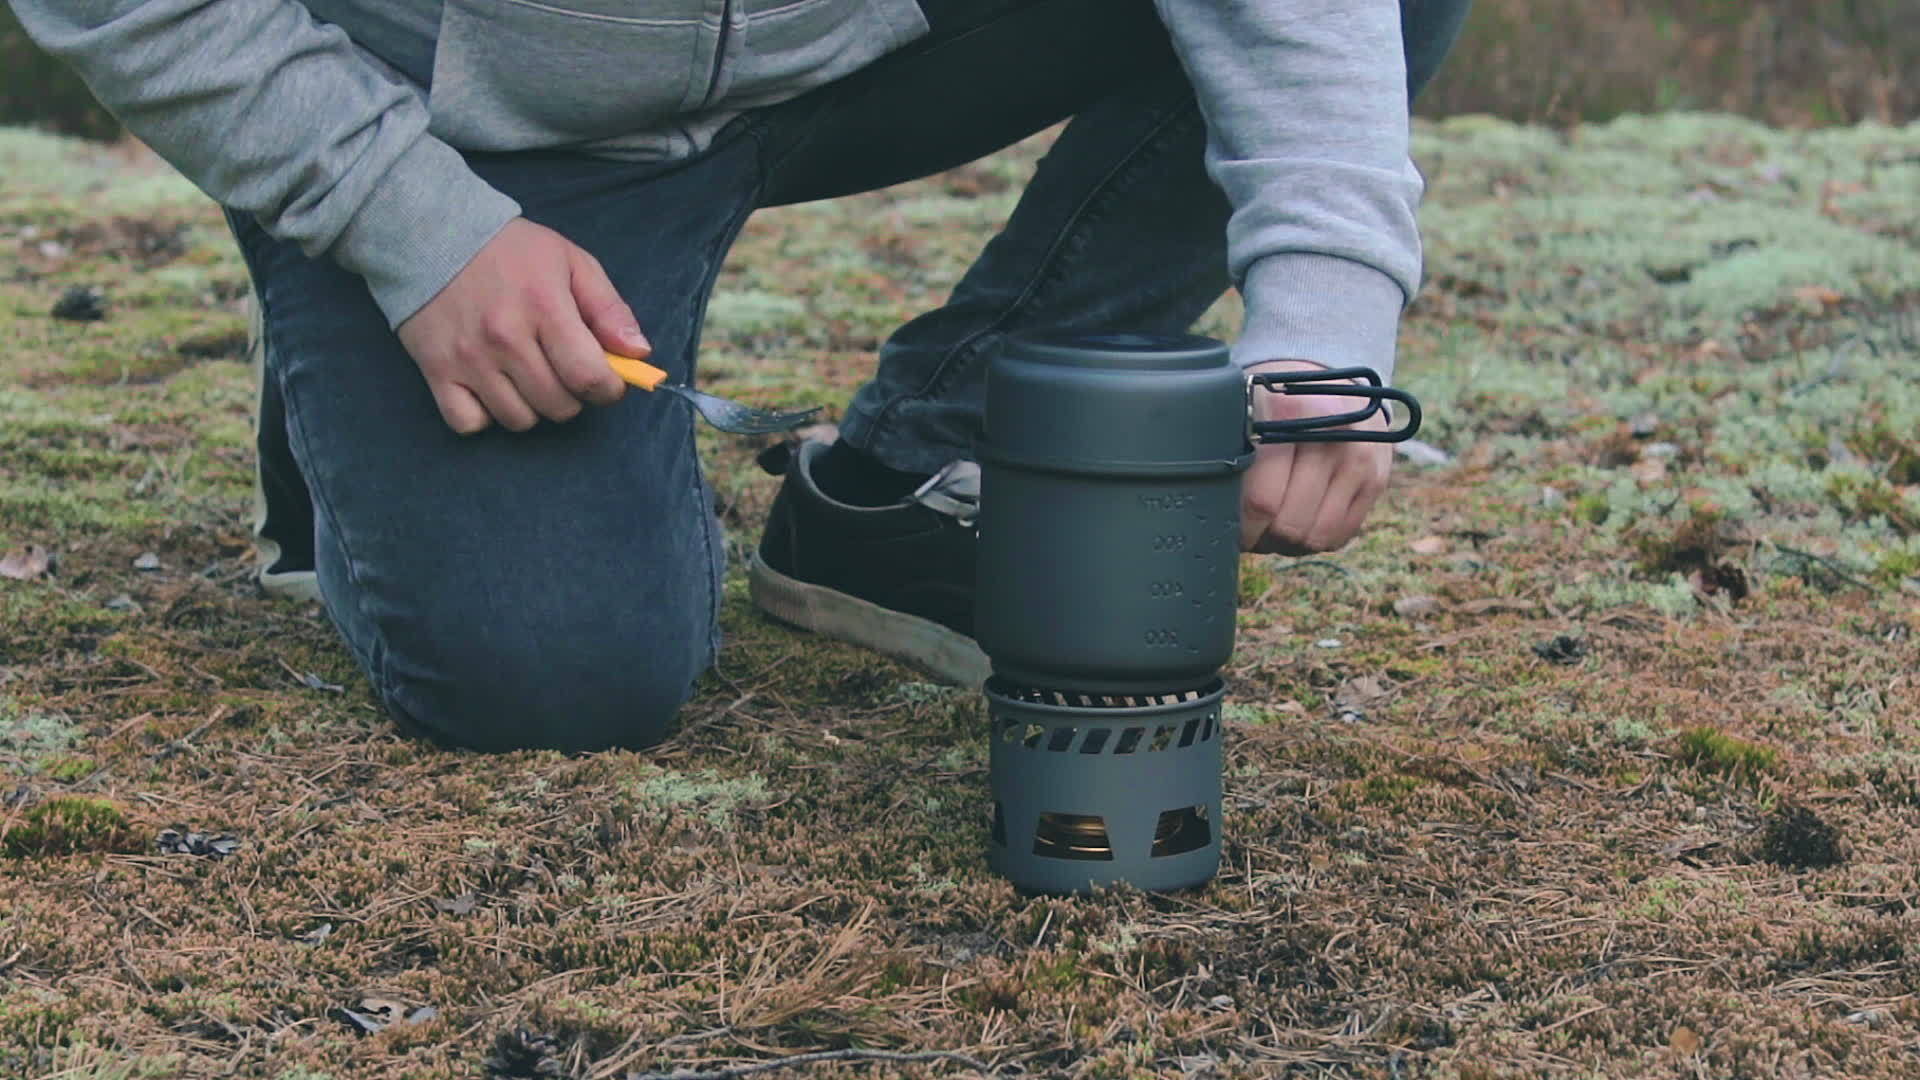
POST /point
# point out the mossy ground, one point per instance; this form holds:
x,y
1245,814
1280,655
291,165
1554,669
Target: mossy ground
x,y
1674,360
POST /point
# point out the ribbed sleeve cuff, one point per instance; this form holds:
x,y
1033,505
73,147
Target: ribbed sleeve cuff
x,y
425,220
1333,311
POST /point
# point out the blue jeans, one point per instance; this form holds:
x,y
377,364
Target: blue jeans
x,y
560,587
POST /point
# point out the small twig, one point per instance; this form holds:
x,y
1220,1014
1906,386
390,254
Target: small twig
x,y
693,1037
824,1055
1830,566
1321,564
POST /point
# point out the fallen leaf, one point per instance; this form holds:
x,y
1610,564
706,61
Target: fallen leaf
x,y
1416,605
1688,849
1836,189
1361,691
1818,296
1708,350
182,842
1495,603
459,905
377,1013
1430,545
1649,470
361,1023
316,935
147,561
27,563
1685,1040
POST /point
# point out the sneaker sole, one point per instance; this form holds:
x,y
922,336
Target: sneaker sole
x,y
946,654
301,585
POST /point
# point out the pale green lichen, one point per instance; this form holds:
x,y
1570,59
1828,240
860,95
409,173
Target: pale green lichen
x,y
34,737
711,796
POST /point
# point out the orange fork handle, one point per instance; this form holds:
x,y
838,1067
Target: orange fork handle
x,y
636,372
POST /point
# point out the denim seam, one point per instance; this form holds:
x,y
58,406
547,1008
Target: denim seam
x,y
716,254
376,661
1053,267
377,664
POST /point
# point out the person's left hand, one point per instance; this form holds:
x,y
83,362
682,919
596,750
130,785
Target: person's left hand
x,y
1306,497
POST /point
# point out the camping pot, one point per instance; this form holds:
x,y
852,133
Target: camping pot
x,y
1107,582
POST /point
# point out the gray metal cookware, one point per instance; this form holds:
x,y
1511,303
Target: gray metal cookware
x,y
1107,592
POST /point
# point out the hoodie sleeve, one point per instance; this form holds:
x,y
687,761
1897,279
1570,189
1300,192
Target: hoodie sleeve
x,y
281,117
1308,132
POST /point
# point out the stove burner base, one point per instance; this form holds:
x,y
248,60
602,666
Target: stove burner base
x,y
1092,790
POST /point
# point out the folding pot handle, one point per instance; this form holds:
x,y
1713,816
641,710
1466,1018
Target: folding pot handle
x,y
1332,427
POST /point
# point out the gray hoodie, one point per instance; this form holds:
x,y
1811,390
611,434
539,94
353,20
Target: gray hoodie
x,y
315,118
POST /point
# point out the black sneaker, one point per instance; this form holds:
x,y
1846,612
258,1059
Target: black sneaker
x,y
896,579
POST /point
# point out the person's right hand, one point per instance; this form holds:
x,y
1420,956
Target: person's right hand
x,y
521,333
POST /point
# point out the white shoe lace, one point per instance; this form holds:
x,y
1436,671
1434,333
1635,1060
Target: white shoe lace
x,y
953,491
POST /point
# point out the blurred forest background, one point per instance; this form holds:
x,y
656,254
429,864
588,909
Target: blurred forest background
x,y
1795,63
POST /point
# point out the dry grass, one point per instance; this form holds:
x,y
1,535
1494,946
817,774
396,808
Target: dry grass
x,y
1795,62
1614,773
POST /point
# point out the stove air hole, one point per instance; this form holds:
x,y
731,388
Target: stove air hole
x,y
1129,740
1180,831
1072,836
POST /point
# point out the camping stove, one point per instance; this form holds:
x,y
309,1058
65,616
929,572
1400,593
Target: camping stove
x,y
1107,590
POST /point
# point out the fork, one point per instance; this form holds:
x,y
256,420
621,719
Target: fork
x,y
718,411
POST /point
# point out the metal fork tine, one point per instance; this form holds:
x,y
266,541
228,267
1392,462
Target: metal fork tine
x,y
740,419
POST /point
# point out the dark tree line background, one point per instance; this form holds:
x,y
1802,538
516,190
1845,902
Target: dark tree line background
x,y
1791,62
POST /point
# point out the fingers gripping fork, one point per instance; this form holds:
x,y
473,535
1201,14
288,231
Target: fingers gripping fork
x,y
1334,426
722,413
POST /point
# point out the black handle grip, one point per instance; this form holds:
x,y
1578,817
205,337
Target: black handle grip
x,y
1333,427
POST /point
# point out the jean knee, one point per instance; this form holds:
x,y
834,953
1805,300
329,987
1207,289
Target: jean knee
x,y
595,693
